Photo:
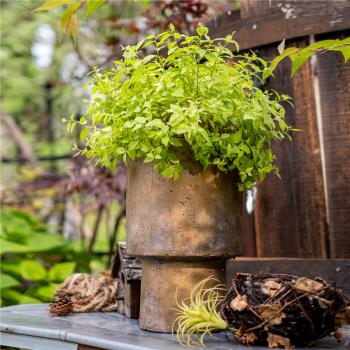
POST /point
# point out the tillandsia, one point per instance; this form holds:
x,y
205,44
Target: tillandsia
x,y
171,92
201,315
276,310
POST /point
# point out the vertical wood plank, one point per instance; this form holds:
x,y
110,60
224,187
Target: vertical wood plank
x,y
334,86
290,214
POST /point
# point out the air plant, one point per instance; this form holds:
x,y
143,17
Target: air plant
x,y
263,309
201,316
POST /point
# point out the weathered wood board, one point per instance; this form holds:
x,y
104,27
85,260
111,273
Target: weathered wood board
x,y
290,213
264,22
334,86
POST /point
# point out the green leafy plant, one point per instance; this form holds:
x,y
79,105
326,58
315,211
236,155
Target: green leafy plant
x,y
33,261
299,56
191,93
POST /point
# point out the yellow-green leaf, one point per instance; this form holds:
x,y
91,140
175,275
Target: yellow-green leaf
x,y
67,14
286,53
83,133
7,281
61,271
32,270
71,27
299,60
92,6
50,4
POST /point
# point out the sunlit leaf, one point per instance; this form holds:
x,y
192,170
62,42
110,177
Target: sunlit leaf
x,y
286,53
18,298
67,14
71,27
47,292
32,270
59,272
92,6
50,4
7,281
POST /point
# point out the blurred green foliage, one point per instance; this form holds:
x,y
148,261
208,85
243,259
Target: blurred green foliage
x,y
35,260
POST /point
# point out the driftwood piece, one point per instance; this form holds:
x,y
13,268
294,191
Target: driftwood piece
x,y
128,271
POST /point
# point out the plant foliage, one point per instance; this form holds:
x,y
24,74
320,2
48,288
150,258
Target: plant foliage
x,y
299,56
191,92
34,261
199,315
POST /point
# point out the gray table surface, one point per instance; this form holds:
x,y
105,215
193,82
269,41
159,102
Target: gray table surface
x,y
30,326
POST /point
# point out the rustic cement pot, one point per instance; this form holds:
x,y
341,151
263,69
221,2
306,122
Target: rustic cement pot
x,y
183,230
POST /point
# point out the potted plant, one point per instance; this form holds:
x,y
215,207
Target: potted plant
x,y
185,115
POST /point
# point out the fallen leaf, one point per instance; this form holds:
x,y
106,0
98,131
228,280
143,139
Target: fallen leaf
x,y
248,338
277,341
239,303
272,314
271,287
305,284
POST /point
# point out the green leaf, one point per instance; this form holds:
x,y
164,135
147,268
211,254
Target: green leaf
x,y
237,137
71,27
41,242
11,247
59,272
83,133
7,281
46,293
286,53
175,141
173,157
299,60
50,4
92,6
18,298
179,92
33,271
202,30
345,52
67,14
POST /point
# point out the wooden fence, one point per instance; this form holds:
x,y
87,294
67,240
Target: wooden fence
x,y
307,213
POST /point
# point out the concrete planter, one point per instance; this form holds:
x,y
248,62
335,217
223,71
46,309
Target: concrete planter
x,y
182,230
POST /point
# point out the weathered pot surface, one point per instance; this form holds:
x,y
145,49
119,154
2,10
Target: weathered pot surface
x,y
164,282
198,215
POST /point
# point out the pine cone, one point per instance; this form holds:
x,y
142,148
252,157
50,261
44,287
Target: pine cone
x,y
62,306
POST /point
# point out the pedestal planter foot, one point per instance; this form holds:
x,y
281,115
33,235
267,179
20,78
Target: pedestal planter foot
x,y
164,281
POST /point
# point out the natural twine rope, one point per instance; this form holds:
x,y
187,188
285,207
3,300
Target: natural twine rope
x,y
82,292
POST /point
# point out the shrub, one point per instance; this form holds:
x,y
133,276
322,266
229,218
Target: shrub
x,y
191,92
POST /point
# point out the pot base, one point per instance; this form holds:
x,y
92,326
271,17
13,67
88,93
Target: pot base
x,y
165,282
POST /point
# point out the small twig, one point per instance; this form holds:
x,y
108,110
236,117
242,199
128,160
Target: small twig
x,y
281,309
96,226
113,237
249,307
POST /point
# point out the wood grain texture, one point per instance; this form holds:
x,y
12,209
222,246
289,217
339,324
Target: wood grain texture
x,y
290,213
334,78
334,271
287,19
